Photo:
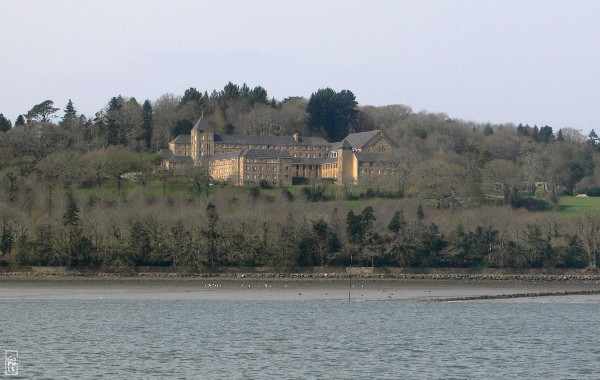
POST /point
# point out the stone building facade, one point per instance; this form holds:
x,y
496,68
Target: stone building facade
x,y
246,160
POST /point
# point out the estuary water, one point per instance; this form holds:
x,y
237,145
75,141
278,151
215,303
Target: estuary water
x,y
223,339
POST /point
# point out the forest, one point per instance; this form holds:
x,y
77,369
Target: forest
x,y
83,191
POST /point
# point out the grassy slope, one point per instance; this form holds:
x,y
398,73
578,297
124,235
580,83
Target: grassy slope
x,y
575,206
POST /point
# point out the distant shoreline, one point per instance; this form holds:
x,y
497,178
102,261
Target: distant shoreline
x,y
323,273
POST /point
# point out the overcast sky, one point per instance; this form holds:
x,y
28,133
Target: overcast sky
x,y
482,61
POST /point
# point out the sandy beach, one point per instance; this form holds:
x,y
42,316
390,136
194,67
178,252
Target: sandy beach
x,y
296,289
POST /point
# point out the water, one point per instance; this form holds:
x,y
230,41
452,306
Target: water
x,y
143,339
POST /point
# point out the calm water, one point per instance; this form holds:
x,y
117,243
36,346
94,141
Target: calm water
x,y
294,339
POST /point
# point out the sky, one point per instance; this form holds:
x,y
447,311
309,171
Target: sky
x,y
483,61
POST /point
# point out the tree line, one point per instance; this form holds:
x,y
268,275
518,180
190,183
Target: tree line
x,y
198,230
64,201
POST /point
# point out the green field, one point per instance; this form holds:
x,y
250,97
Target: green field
x,y
574,206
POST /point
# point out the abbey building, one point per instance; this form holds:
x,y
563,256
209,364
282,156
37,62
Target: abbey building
x,y
278,160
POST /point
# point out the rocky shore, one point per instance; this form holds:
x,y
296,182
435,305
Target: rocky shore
x,y
457,274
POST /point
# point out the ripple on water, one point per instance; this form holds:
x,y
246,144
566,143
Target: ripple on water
x,y
289,339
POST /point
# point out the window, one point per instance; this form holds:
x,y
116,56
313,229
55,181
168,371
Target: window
x,y
274,176
254,176
267,176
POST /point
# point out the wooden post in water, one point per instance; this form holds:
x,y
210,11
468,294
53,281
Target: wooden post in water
x,y
350,288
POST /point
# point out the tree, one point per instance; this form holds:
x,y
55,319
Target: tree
x,y
20,121
230,91
70,112
398,222
420,213
5,124
210,232
146,135
545,134
71,215
332,113
113,128
118,161
440,180
191,94
257,95
42,112
488,130
593,139
501,175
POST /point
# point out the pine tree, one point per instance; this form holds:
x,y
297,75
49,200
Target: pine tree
x,y
20,121
70,111
5,124
146,135
71,215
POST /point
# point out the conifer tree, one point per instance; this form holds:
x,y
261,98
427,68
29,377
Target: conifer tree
x,y
20,121
5,124
146,135
70,111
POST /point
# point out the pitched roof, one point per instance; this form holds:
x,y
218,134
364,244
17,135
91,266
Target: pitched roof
x,y
203,125
346,144
270,140
336,145
182,139
165,153
358,140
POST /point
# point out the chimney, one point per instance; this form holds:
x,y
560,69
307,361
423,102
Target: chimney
x,y
296,136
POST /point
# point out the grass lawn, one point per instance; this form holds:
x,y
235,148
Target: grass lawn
x,y
574,206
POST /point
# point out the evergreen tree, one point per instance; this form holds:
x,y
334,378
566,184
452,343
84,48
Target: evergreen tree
x,y
420,213
146,136
70,112
113,129
20,121
71,215
42,112
5,124
189,95
397,223
332,113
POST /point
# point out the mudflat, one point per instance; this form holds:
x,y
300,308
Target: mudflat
x,y
293,289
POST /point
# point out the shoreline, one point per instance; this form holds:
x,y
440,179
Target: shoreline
x,y
336,273
242,288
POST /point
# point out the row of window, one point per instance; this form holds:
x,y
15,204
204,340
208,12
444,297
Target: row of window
x,y
209,137
261,176
266,146
372,171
